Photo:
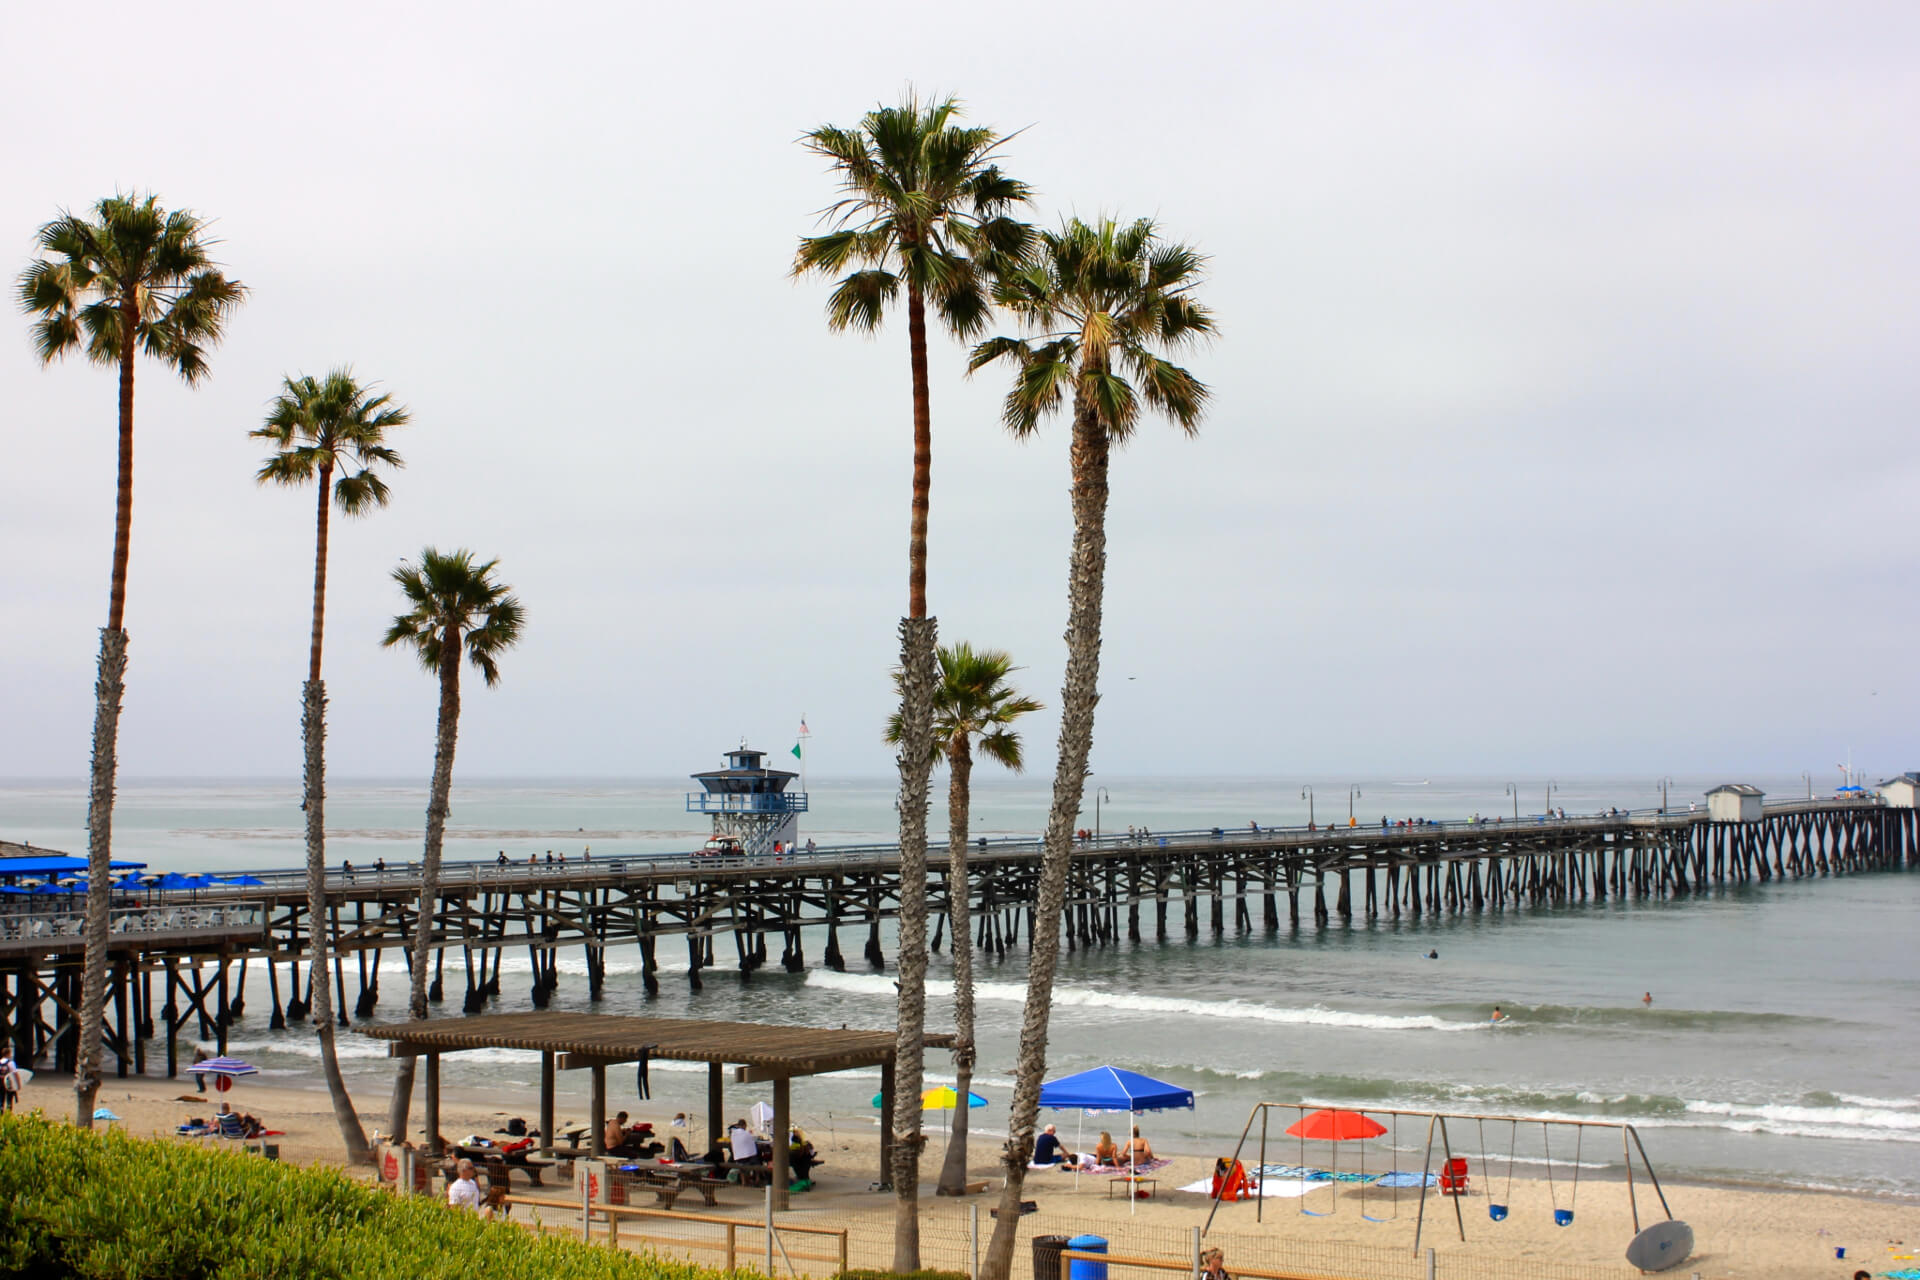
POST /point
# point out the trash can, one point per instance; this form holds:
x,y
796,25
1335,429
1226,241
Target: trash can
x,y
1087,1268
1046,1256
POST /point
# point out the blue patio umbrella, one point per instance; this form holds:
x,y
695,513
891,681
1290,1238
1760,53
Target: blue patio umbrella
x,y
241,880
174,880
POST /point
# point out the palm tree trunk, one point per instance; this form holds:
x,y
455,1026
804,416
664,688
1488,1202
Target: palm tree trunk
x,y
1086,585
437,807
108,687
953,1172
319,576
313,729
918,675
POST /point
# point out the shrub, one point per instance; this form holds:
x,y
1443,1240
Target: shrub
x,y
104,1206
923,1274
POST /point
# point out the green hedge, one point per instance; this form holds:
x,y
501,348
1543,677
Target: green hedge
x,y
103,1206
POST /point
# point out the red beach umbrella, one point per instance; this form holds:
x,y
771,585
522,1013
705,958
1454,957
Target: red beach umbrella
x,y
1330,1124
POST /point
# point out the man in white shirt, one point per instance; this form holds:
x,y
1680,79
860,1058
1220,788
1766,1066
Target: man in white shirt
x,y
465,1192
745,1149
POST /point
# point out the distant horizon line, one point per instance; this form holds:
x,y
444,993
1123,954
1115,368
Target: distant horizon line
x,y
629,779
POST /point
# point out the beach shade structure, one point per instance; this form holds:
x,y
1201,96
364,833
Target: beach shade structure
x,y
244,881
173,882
1112,1089
1331,1124
224,1070
942,1098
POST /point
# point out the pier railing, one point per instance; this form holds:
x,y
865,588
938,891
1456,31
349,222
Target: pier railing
x,y
147,927
282,880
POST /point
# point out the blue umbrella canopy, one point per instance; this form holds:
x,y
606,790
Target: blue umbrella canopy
x,y
174,880
241,880
1113,1089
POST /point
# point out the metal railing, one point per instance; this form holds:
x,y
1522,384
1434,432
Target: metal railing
x,y
485,873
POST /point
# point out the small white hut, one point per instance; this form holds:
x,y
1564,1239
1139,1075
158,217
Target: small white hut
x,y
1734,802
1902,792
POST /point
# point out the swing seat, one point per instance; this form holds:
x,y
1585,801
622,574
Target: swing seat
x,y
1498,1212
1563,1217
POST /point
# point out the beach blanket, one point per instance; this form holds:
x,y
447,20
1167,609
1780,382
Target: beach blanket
x,y
1119,1170
1310,1174
1270,1188
1398,1179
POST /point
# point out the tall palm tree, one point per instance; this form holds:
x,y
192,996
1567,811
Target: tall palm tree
x,y
924,205
974,708
134,277
1099,303
318,427
457,606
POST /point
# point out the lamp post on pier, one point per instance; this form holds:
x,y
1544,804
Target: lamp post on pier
x,y
1551,788
1808,779
1353,793
1306,793
1099,794
1513,789
1664,784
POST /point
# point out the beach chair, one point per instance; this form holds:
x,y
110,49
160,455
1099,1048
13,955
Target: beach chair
x,y
1453,1177
227,1125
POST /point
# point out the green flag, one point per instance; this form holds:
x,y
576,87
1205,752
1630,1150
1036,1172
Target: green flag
x,y
796,751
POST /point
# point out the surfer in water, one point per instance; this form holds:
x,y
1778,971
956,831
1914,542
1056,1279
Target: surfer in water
x,y
1497,1015
1647,1000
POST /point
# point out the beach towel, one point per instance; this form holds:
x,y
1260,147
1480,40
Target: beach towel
x,y
1398,1179
1119,1170
1310,1174
1270,1188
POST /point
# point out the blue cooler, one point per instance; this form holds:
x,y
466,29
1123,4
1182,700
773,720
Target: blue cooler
x,y
1087,1268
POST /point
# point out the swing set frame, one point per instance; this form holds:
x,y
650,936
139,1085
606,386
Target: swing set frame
x,y
1437,1127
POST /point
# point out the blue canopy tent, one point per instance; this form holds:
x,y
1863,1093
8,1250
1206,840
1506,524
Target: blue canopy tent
x,y
241,880
1113,1089
55,865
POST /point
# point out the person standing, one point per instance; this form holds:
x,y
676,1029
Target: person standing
x,y
9,1082
1213,1266
200,1055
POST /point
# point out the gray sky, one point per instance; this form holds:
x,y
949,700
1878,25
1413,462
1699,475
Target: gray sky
x,y
1563,417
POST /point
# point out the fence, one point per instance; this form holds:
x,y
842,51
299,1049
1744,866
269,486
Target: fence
x,y
818,1245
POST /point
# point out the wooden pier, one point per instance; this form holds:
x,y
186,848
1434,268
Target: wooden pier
x,y
202,949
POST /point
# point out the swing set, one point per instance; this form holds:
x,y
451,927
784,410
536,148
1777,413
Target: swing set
x,y
1337,1125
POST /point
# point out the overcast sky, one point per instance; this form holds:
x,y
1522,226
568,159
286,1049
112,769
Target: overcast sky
x,y
1563,417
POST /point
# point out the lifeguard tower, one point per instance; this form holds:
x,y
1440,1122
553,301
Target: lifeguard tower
x,y
750,802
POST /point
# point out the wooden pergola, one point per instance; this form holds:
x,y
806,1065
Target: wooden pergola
x,y
757,1052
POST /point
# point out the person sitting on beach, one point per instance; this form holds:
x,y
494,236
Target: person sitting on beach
x,y
801,1157
1106,1151
1137,1151
464,1193
1047,1149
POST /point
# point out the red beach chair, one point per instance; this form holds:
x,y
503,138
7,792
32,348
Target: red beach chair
x,y
1453,1177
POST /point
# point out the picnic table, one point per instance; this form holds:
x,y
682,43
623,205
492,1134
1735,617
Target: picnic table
x,y
510,1160
1134,1185
671,1180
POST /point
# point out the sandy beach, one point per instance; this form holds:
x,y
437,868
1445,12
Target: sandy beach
x,y
1740,1233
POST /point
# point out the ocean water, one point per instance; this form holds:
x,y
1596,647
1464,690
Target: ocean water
x,y
1782,1044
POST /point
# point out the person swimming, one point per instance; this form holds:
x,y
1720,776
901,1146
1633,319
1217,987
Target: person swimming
x,y
1647,999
